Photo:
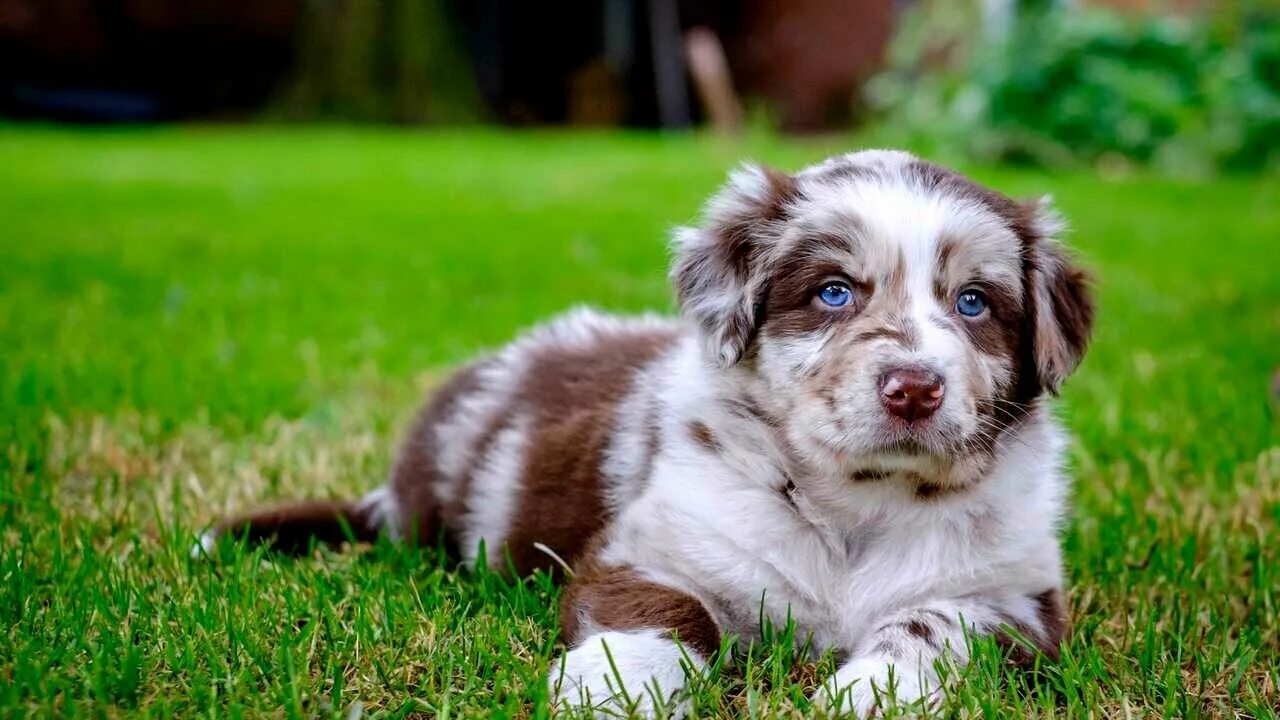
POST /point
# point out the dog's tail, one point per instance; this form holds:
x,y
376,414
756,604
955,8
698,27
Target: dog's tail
x,y
295,528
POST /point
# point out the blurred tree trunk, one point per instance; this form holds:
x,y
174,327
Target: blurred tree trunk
x,y
411,61
381,61
354,83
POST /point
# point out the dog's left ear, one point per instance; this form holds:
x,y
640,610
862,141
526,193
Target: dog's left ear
x,y
718,269
1061,301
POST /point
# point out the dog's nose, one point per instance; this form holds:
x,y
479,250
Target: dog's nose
x,y
911,393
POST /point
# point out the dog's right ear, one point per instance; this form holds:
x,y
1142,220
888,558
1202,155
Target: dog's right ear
x,y
717,272
1061,299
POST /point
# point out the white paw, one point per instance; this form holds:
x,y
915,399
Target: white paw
x,y
205,545
862,687
645,676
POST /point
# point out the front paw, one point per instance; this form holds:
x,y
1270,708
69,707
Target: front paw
x,y
863,687
615,674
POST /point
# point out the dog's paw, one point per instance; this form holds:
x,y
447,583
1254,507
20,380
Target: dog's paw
x,y
862,687
616,674
205,545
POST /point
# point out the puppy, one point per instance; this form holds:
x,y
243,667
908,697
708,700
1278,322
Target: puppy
x,y
849,427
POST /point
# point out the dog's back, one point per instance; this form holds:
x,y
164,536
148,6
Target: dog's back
x,y
510,451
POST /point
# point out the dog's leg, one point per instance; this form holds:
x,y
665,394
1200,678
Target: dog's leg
x,y
632,643
896,663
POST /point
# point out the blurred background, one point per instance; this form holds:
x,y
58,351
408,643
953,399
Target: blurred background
x,y
1189,85
241,239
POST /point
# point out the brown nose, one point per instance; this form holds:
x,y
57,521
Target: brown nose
x,y
911,393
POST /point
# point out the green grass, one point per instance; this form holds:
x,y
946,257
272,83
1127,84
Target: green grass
x,y
197,320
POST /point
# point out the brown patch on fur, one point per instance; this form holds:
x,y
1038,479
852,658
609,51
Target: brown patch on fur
x,y
572,394
922,630
885,333
1051,607
702,435
822,245
1058,317
783,191
788,492
295,527
868,475
789,307
928,491
997,332
796,280
1063,310
414,475
614,598
1046,638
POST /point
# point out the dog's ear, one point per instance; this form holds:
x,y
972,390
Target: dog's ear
x,y
717,271
1060,302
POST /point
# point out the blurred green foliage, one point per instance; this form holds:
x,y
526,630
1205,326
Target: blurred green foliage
x,y
1064,86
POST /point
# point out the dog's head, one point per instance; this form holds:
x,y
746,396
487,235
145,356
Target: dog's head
x,y
900,317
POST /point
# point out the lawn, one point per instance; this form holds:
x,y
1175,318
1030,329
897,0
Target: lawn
x,y
195,320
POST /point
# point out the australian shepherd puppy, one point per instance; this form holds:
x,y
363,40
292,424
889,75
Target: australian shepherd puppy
x,y
849,426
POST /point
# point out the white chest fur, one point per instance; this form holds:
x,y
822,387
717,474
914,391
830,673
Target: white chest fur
x,y
719,523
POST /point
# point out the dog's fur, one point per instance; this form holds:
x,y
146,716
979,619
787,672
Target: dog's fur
x,y
701,475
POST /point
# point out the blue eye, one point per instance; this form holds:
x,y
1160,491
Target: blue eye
x,y
971,303
835,294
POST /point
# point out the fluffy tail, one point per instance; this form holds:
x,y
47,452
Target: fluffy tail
x,y
295,528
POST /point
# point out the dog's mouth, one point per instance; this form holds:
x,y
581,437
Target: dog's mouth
x,y
928,473
909,447
917,462
938,455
